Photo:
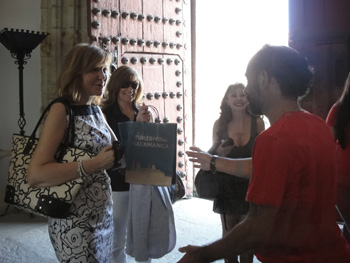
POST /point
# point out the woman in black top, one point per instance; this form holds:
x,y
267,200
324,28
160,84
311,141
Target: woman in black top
x,y
123,102
234,134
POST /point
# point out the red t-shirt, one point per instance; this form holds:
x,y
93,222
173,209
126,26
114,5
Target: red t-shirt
x,y
293,170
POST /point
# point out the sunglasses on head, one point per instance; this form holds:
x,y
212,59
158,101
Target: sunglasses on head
x,y
134,85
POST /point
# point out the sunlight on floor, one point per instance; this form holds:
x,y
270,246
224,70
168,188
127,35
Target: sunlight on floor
x,y
228,34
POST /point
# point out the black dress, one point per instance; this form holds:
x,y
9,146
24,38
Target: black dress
x,y
114,116
232,197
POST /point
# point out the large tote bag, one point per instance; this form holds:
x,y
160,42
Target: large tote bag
x,y
150,152
47,201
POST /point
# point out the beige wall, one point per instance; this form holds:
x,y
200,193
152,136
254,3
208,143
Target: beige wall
x,y
18,14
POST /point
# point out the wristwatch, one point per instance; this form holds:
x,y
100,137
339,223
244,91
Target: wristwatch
x,y
212,164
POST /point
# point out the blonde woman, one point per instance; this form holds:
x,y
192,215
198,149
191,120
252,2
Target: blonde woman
x,y
86,235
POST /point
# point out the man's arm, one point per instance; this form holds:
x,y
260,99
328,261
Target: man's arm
x,y
238,167
249,234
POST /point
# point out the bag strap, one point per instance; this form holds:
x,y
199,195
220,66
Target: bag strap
x,y
68,138
157,120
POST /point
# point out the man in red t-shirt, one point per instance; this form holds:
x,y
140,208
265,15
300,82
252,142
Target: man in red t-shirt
x,y
292,189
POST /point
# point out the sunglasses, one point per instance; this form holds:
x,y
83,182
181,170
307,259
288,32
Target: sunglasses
x,y
134,85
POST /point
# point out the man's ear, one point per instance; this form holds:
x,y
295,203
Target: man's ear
x,y
263,78
268,83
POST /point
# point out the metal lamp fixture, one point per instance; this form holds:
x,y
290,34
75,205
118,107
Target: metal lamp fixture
x,y
21,43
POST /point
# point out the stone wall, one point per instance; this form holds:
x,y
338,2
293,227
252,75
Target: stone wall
x,y
66,22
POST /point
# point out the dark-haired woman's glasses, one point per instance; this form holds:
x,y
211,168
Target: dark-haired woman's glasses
x,y
134,85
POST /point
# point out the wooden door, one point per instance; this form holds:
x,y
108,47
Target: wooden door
x,y
320,30
153,36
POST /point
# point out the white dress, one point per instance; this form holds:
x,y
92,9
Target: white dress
x,y
87,235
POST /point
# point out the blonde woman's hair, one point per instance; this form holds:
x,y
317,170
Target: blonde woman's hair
x,y
121,76
81,59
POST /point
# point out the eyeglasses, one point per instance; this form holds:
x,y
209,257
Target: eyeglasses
x,y
134,85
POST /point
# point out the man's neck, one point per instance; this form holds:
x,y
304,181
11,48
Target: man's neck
x,y
284,106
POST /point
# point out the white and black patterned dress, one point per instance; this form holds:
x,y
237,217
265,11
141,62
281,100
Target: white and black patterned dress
x,y
87,235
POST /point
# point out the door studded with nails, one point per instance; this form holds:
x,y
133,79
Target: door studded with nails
x,y
154,37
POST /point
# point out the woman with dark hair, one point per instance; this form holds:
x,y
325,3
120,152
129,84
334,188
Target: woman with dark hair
x,y
234,134
143,213
86,235
123,100
339,119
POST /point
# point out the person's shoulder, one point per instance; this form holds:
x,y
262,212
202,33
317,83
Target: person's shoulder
x,y
56,115
97,108
217,122
307,116
334,107
216,125
300,124
260,124
331,117
106,108
298,116
112,110
58,108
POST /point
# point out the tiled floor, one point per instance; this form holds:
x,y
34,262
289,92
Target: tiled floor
x,y
24,239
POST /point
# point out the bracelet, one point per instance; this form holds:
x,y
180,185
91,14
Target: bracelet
x,y
81,170
212,164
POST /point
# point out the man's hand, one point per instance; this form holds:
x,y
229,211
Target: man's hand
x,y
193,254
200,158
239,167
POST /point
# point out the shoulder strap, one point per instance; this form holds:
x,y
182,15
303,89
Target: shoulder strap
x,y
60,99
68,139
69,134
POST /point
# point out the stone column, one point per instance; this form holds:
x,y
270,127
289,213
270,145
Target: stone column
x,y
66,23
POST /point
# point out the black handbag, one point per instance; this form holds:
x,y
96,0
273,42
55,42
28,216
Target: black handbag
x,y
46,201
211,186
207,184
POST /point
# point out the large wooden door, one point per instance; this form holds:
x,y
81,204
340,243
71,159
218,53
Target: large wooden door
x,y
154,37
320,30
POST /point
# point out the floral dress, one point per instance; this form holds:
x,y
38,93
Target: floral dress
x,y
87,234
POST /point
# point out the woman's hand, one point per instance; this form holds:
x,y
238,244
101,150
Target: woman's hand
x,y
200,158
103,160
224,150
144,115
